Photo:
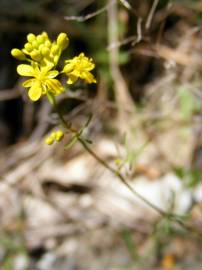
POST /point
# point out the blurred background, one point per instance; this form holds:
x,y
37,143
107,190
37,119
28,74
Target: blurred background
x,y
60,209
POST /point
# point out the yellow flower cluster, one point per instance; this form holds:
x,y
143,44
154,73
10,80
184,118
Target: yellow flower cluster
x,y
41,50
43,56
55,136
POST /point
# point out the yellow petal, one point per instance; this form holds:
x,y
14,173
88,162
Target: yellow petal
x,y
35,91
52,74
28,83
81,55
54,86
25,70
72,79
88,77
68,68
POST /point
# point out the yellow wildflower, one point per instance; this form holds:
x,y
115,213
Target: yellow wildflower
x,y
43,56
43,81
79,67
54,136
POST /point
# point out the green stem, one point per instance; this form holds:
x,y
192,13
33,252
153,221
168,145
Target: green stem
x,y
106,165
163,213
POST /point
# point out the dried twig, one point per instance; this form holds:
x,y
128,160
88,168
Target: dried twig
x,y
88,16
151,14
122,96
7,94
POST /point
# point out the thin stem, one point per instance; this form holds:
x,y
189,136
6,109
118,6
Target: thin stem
x,y
121,177
170,216
107,166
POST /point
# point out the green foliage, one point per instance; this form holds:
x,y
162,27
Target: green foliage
x,y
189,104
13,248
190,177
130,244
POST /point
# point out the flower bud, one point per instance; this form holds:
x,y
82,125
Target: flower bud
x,y
45,35
45,51
41,46
35,44
31,37
48,43
59,135
62,40
49,140
53,135
55,59
28,47
35,55
40,39
18,54
55,49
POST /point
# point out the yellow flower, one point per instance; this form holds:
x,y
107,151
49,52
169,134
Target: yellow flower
x,y
43,81
79,67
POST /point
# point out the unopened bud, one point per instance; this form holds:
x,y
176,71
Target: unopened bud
x,y
55,49
31,37
45,51
55,59
28,47
59,135
35,55
18,54
48,43
35,44
53,135
40,39
49,140
62,40
45,35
